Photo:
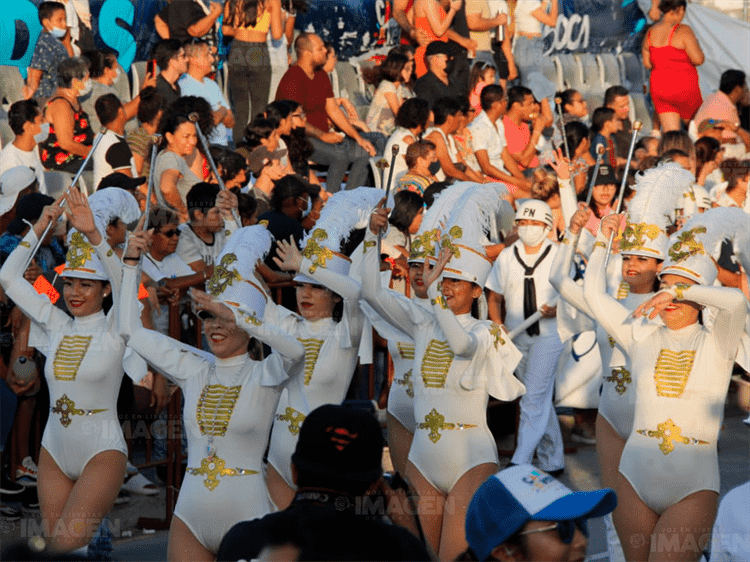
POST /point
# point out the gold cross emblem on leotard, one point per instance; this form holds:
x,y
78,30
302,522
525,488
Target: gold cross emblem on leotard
x,y
213,467
294,418
670,434
435,421
408,383
497,332
66,408
621,377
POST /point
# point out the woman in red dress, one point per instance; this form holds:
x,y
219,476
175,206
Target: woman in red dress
x,y
671,51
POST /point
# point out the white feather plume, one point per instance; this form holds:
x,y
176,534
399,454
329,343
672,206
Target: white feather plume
x,y
724,223
344,211
437,215
479,212
250,244
658,193
110,203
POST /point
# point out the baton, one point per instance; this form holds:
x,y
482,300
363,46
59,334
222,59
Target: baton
x,y
394,153
530,320
636,127
96,142
599,155
194,118
558,102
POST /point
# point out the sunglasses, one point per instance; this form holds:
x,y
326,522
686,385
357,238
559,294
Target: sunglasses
x,y
171,233
566,529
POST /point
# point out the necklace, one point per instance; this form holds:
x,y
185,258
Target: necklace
x,y
211,430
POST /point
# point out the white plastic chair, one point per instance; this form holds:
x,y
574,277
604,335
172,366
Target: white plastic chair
x,y
138,71
57,182
376,171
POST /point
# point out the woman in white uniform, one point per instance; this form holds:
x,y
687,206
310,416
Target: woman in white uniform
x,y
459,362
83,454
669,477
230,399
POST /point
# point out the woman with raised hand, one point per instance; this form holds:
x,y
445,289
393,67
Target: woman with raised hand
x,y
83,454
668,481
459,361
230,398
329,325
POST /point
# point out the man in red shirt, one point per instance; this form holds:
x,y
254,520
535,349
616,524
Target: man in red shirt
x,y
521,139
308,84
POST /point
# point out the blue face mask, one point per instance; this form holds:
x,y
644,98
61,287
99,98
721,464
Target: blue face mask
x,y
59,32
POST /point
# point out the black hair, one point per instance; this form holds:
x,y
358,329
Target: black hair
x,y
245,17
164,51
464,106
575,132
202,196
403,49
517,94
413,113
444,108
194,104
666,6
706,149
21,112
390,69
730,79
258,129
614,92
289,186
71,69
169,123
307,479
300,149
151,102
491,93
162,216
246,204
432,190
600,116
278,110
99,61
406,206
107,108
48,9
229,163
670,154
566,97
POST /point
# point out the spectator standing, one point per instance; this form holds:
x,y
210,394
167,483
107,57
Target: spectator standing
x,y
490,146
150,110
308,84
671,51
433,21
279,49
528,48
27,123
113,153
52,47
70,134
171,58
435,84
482,24
604,125
184,20
197,83
248,22
723,106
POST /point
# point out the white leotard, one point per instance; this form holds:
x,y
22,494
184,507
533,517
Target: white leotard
x,y
84,366
681,382
233,400
323,377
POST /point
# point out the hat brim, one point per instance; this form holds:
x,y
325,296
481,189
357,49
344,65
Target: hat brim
x,y
579,505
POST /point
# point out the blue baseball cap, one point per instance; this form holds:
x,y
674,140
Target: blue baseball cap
x,y
507,500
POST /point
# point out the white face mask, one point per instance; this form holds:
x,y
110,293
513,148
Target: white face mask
x,y
86,88
43,134
532,235
59,32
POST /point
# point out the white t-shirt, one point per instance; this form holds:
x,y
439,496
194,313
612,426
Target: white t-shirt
x,y
499,7
191,248
11,156
730,541
209,91
507,279
112,155
491,138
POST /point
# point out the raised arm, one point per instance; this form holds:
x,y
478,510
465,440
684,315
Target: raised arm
x,y
461,342
607,311
559,277
257,328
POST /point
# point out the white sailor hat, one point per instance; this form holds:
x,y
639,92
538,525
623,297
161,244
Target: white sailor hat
x,y
81,260
233,281
694,198
688,257
643,239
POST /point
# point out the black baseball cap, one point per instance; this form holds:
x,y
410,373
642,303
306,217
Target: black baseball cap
x,y
118,179
437,48
607,175
340,442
